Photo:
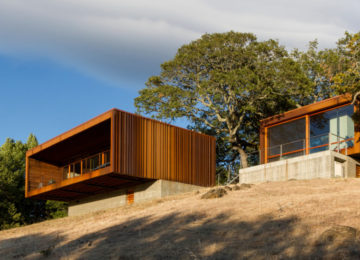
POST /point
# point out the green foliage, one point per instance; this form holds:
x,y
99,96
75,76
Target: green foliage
x,y
347,80
320,66
15,210
12,168
226,82
55,209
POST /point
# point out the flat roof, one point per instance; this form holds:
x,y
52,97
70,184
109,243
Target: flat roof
x,y
308,109
92,122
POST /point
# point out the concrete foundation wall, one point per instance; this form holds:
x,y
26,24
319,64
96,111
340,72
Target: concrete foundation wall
x,y
142,192
327,164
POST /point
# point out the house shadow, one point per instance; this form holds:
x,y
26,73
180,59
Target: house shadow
x,y
184,236
32,246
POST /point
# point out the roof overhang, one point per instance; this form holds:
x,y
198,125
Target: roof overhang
x,y
308,109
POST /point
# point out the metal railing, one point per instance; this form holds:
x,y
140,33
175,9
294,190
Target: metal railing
x,y
85,165
301,147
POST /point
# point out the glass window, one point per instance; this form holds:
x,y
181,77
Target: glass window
x,y
72,172
94,162
65,172
335,127
78,168
107,158
286,140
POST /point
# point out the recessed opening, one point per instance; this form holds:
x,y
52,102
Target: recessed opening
x,y
82,153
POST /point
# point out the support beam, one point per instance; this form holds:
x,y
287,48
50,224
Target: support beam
x,y
266,145
307,135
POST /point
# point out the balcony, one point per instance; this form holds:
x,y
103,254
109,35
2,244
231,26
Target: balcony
x,y
86,165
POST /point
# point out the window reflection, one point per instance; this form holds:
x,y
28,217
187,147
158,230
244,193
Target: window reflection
x,y
334,127
332,130
286,140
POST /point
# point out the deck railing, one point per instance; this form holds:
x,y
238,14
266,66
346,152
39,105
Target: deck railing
x,y
46,174
302,147
85,165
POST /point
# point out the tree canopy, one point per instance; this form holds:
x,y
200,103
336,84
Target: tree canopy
x,y
319,66
15,210
347,79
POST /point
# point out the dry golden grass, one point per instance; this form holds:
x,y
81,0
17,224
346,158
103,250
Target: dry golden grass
x,y
268,221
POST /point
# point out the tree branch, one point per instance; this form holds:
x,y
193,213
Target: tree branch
x,y
355,97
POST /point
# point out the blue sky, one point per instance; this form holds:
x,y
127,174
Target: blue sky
x,y
41,97
63,62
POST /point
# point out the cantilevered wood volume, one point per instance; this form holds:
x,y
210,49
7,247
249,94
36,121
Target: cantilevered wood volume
x,y
114,150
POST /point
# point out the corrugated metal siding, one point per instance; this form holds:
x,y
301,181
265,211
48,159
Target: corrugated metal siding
x,y
147,148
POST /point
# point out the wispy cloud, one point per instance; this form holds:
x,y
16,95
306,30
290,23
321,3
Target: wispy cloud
x,y
127,40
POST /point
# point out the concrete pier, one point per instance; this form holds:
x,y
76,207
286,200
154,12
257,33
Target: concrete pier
x,y
327,164
142,192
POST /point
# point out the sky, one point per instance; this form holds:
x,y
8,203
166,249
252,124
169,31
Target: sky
x,y
63,62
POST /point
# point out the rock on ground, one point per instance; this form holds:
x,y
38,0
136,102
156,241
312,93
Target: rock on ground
x,y
214,193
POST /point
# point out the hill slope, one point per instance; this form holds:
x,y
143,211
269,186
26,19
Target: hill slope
x,y
270,220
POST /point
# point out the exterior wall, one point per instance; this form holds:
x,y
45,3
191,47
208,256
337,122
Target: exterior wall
x,y
142,192
319,165
42,173
147,148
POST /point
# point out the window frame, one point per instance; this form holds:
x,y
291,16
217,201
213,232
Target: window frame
x,y
307,128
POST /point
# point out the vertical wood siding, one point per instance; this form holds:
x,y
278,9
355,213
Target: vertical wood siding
x,y
147,148
42,173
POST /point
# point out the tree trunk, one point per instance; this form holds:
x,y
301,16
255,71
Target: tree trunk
x,y
355,97
243,157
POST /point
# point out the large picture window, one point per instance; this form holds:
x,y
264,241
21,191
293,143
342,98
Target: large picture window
x,y
333,130
286,140
330,130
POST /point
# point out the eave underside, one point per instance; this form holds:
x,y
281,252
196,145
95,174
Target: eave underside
x,y
89,187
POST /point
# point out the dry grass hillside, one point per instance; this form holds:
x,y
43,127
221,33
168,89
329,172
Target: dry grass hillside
x,y
315,219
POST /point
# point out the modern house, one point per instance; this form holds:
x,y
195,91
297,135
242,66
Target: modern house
x,y
117,158
315,141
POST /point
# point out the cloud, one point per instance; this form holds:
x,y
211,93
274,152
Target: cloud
x,y
127,40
